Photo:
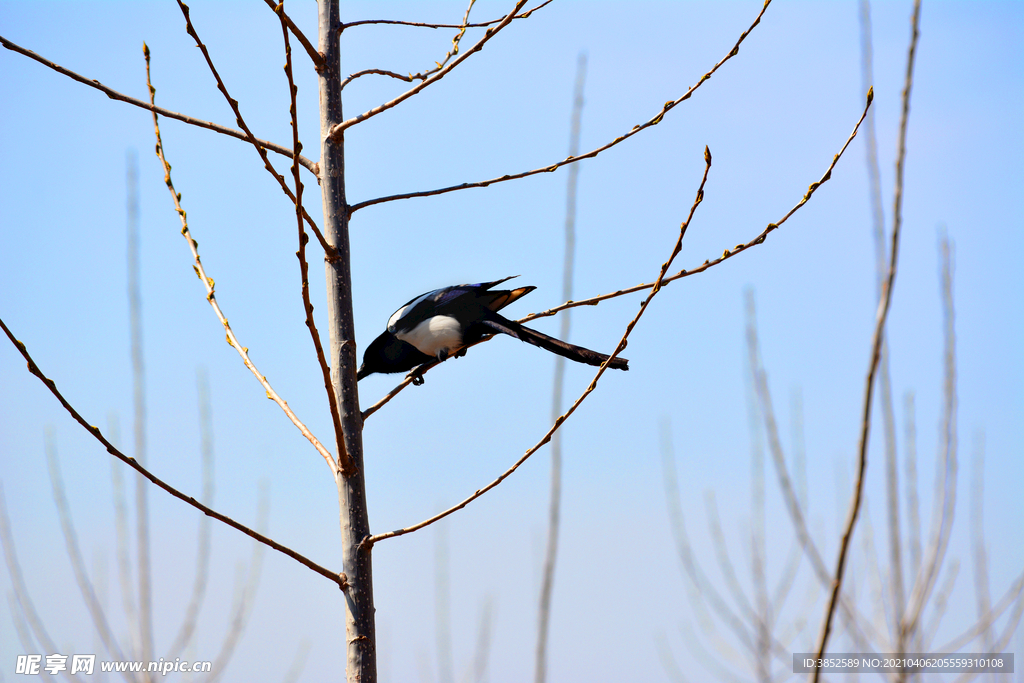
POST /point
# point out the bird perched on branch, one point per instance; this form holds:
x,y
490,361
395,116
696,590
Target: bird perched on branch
x,y
442,323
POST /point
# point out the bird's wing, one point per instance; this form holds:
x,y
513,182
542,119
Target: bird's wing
x,y
445,299
501,298
488,285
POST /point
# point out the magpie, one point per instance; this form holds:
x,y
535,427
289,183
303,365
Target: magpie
x,y
442,323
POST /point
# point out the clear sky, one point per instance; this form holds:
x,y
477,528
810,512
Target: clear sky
x,y
773,117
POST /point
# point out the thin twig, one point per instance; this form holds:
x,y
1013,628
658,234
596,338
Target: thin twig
x,y
142,545
786,579
653,121
557,386
913,506
593,384
233,103
188,622
121,525
208,283
442,605
758,551
1013,593
940,603
946,470
876,347
244,594
871,570
1011,627
714,666
668,661
726,255
307,305
705,591
483,643
21,603
725,568
980,564
134,464
24,634
885,382
336,131
114,95
793,506
92,603
314,56
423,75
298,663
763,617
396,22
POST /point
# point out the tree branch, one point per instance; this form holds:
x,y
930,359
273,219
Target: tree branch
x,y
134,464
233,103
876,346
558,383
396,22
310,165
593,384
571,159
337,129
726,255
314,56
307,305
423,75
208,283
885,382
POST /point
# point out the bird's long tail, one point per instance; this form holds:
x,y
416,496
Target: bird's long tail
x,y
571,351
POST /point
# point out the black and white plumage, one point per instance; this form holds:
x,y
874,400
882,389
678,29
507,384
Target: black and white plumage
x,y
442,323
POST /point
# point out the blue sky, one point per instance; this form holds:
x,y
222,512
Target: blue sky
x,y
773,118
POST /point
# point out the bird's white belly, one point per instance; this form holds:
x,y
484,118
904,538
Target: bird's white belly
x,y
434,334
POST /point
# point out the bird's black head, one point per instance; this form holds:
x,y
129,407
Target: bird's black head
x,y
388,353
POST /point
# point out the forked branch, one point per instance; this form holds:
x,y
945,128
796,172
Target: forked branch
x,y
314,56
336,131
423,75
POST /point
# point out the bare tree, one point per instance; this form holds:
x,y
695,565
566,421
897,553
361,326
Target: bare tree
x,y
337,360
908,615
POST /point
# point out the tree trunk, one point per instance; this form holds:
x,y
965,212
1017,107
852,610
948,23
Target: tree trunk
x,y
360,635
